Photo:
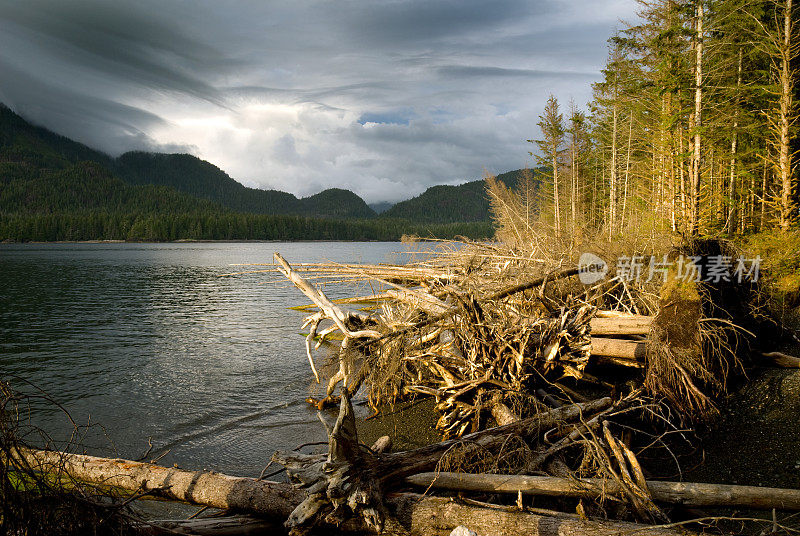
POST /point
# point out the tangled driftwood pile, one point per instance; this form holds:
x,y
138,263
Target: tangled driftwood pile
x,y
498,339
580,395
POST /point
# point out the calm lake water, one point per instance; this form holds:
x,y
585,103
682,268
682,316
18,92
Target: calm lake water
x,y
147,341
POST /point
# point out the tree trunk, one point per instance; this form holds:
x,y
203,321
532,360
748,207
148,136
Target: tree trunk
x,y
271,499
682,176
685,493
554,157
786,213
439,516
612,198
696,123
764,194
633,350
734,141
627,173
413,514
629,325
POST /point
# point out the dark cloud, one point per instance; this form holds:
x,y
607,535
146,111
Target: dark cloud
x,y
94,121
120,40
467,71
384,97
419,23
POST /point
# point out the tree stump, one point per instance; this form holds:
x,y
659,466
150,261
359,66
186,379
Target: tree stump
x,y
339,486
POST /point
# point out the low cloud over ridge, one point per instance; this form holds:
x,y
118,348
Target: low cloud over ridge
x,y
383,98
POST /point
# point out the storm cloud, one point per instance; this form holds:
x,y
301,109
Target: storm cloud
x,y
384,98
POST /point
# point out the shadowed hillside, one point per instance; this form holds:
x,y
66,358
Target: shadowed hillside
x,y
466,202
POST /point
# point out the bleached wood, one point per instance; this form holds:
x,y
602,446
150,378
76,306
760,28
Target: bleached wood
x,y
412,514
439,516
421,300
626,325
633,350
685,493
205,488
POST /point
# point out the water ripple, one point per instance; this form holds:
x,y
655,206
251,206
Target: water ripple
x,y
147,340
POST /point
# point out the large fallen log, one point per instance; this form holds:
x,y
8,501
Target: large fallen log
x,y
235,525
439,515
411,514
205,488
685,493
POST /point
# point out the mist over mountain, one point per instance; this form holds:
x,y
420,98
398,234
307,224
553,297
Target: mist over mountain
x,y
74,191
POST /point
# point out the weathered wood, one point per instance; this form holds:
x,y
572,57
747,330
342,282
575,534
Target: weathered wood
x,y
633,350
399,464
331,311
608,313
340,486
421,300
382,444
411,514
625,325
502,414
204,488
236,525
438,516
684,493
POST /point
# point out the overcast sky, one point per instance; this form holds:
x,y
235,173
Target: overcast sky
x,y
381,97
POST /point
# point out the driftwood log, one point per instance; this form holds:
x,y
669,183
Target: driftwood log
x,y
622,325
440,515
684,493
205,488
410,513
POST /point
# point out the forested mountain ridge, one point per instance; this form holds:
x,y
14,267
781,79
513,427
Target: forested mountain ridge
x,y
33,150
28,151
53,188
194,176
32,146
466,202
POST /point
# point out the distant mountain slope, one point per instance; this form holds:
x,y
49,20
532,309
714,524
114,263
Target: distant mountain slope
x,y
88,187
444,204
336,203
37,148
29,145
194,176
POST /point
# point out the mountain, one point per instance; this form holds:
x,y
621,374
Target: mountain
x,y
42,172
32,146
53,188
87,186
336,203
194,176
443,204
197,177
35,148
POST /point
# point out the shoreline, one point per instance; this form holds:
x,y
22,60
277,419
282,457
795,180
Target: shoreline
x,y
192,241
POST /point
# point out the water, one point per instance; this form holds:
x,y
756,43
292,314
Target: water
x,y
149,342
